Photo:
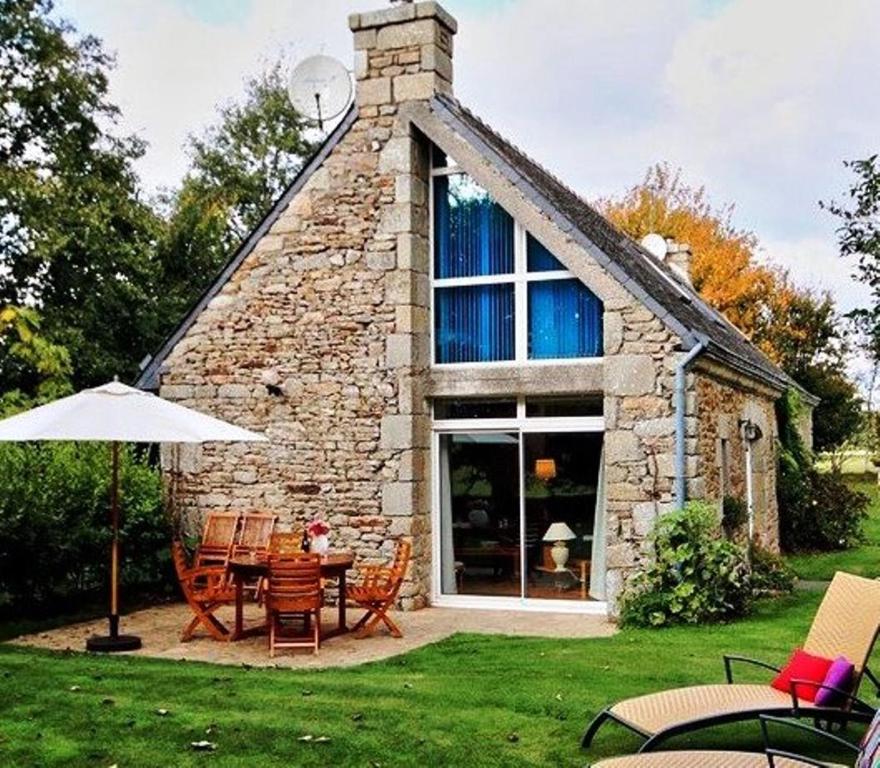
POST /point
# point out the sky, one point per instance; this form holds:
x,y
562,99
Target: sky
x,y
761,101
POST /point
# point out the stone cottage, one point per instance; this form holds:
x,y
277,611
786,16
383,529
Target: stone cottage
x,y
444,342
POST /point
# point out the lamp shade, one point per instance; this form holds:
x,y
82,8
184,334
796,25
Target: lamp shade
x,y
545,469
559,532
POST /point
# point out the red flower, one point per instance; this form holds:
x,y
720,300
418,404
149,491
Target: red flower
x,y
318,528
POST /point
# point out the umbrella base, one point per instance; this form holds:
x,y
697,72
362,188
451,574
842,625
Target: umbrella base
x,y
111,644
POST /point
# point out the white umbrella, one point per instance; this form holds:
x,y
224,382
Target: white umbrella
x,y
116,413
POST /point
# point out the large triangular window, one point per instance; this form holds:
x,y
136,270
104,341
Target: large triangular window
x,y
498,294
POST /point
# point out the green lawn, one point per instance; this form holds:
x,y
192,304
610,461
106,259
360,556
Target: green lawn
x,y
467,701
863,559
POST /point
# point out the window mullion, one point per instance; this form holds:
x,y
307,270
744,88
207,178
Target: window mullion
x,y
521,332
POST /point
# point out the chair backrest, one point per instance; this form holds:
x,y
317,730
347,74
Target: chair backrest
x,y
286,543
397,569
255,533
220,529
847,621
294,582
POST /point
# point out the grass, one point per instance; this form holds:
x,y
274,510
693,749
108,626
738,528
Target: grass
x,y
468,700
863,560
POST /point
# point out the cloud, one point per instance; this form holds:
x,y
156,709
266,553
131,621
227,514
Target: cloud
x,y
760,101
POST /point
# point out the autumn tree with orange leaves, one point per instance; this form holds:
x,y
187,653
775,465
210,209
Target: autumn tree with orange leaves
x,y
795,327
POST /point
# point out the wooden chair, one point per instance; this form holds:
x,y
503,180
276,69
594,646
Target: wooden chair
x,y
205,589
218,537
294,592
377,591
281,543
286,542
254,535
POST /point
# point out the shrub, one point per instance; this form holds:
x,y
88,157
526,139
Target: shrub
x,y
817,511
770,573
54,523
696,575
734,514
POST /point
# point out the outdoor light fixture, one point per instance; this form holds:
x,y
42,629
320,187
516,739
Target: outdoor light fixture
x,y
545,469
559,533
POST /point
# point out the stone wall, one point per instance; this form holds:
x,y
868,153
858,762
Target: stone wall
x,y
722,407
319,339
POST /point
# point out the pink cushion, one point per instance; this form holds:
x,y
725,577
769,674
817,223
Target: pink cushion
x,y
802,666
839,676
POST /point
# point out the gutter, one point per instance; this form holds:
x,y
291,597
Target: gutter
x,y
680,407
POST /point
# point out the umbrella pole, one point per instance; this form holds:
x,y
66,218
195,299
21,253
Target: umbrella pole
x,y
114,641
114,547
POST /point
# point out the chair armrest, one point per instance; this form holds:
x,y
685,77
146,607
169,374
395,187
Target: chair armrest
x,y
857,704
774,753
729,658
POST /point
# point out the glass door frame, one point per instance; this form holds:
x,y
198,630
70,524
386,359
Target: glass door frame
x,y
521,426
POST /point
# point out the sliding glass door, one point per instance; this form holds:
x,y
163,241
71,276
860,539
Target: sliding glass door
x,y
518,503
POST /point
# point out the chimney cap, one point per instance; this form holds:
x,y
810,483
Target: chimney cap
x,y
401,13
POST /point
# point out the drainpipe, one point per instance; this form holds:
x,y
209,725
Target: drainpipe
x,y
680,407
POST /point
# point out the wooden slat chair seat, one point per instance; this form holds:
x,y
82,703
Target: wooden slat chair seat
x,y
218,538
377,589
846,624
205,589
293,592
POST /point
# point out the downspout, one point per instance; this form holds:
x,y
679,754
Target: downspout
x,y
680,434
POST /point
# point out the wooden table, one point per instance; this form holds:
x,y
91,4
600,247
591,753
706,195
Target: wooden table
x,y
245,569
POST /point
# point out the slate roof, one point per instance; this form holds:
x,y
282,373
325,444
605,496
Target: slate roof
x,y
649,279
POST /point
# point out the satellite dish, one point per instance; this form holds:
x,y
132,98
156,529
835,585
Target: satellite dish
x,y
320,88
655,245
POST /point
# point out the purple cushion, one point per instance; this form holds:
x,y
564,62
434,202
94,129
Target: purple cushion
x,y
840,676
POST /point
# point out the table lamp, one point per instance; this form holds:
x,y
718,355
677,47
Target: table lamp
x,y
559,533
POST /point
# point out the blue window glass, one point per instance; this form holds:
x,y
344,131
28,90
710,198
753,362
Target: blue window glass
x,y
474,323
473,235
565,320
540,259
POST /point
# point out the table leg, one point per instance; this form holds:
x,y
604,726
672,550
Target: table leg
x,y
342,627
239,609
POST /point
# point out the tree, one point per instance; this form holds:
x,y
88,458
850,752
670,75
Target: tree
x,y
75,239
859,237
240,166
37,370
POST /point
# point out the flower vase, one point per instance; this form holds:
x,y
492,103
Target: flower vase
x,y
319,544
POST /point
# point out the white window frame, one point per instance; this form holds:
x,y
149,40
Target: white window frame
x,y
519,278
520,425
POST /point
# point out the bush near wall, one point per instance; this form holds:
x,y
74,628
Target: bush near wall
x,y
54,524
818,511
696,575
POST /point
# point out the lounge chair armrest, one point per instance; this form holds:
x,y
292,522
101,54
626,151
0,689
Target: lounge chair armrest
x,y
858,704
798,725
729,658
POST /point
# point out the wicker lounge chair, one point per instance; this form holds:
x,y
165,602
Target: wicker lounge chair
x,y
770,758
846,624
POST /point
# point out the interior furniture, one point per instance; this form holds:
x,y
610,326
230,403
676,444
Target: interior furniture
x,y
294,592
218,538
332,567
205,589
377,590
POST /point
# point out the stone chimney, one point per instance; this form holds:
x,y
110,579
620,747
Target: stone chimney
x,y
402,53
678,257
